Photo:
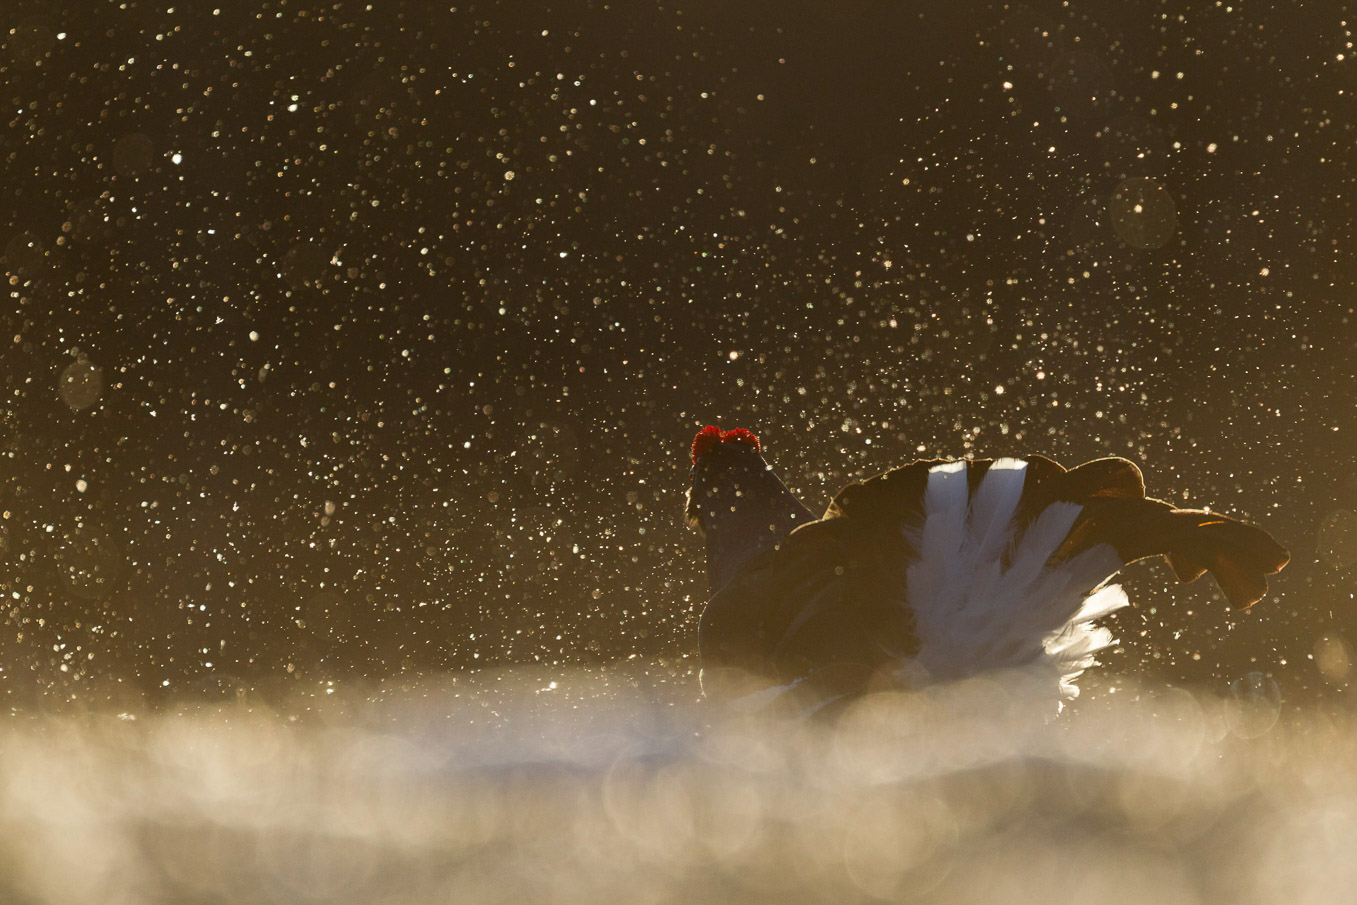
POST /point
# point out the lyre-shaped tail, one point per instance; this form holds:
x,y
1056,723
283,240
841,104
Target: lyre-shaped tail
x,y
955,567
1010,559
1194,541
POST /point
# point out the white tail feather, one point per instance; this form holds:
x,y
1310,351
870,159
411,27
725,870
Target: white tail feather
x,y
971,613
1075,648
944,530
1047,532
1104,601
990,524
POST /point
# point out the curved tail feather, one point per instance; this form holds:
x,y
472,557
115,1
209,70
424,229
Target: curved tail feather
x,y
1194,542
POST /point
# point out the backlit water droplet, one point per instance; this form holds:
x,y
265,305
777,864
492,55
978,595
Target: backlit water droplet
x,y
1253,706
81,384
1143,212
1338,539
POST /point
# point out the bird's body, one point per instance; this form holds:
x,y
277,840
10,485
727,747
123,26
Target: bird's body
x,y
937,569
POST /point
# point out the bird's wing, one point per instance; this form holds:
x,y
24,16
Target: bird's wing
x,y
823,606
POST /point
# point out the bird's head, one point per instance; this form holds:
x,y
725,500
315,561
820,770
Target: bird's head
x,y
722,462
728,468
736,502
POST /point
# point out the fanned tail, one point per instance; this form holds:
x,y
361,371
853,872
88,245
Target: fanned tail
x,y
1014,608
1010,559
957,567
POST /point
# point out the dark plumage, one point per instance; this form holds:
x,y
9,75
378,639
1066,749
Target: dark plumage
x,y
937,568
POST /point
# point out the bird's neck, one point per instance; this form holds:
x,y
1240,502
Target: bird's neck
x,y
763,515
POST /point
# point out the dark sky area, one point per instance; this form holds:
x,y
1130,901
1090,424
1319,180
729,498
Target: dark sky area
x,y
342,340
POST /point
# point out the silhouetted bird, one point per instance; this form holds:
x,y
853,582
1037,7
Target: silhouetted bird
x,y
937,569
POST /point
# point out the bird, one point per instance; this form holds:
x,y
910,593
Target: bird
x,y
936,570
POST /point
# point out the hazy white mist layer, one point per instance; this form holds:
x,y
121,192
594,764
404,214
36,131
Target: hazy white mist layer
x,y
613,785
